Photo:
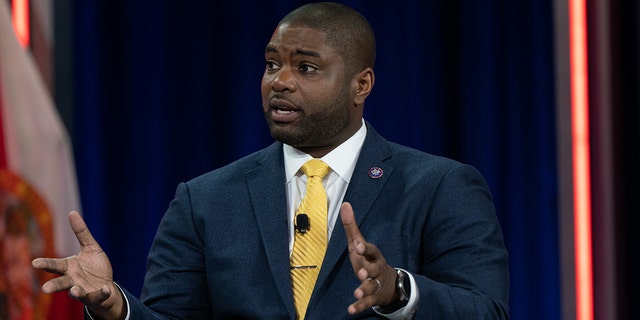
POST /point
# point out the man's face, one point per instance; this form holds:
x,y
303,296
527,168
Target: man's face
x,y
306,96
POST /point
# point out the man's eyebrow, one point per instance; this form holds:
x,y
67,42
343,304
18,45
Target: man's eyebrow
x,y
300,52
307,53
270,49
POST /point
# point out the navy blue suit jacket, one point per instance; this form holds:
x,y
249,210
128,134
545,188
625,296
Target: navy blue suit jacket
x,y
221,251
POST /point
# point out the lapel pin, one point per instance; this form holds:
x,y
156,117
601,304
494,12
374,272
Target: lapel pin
x,y
375,172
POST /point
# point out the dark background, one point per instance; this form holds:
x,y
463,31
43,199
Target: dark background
x,y
157,92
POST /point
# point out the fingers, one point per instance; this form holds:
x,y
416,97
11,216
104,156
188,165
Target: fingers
x,y
58,266
365,257
378,278
362,304
372,283
371,286
367,295
354,236
81,230
87,276
377,285
373,291
95,298
60,283
65,282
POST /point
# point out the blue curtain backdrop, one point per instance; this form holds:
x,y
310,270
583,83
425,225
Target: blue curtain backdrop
x,y
165,90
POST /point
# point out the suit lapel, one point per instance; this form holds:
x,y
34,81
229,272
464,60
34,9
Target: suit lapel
x,y
267,188
362,192
266,183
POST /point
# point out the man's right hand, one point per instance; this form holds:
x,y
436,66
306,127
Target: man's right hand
x,y
87,276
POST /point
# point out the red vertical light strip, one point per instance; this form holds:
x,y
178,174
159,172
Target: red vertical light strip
x,y
580,158
21,21
3,154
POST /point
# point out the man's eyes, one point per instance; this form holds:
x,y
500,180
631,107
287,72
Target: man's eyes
x,y
303,68
307,68
272,65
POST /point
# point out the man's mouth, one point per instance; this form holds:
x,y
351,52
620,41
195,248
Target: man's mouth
x,y
282,110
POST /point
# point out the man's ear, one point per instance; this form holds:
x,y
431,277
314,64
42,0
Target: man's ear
x,y
364,81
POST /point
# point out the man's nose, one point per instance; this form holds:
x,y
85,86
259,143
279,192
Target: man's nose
x,y
284,80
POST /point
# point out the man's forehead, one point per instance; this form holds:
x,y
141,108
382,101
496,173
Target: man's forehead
x,y
297,38
301,34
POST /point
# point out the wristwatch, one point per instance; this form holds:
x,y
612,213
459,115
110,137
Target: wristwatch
x,y
403,287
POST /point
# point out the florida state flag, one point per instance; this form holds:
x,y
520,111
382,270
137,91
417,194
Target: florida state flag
x,y
37,185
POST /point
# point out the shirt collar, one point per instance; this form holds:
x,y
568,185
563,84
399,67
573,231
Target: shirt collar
x,y
341,160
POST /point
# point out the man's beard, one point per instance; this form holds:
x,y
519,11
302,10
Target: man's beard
x,y
312,131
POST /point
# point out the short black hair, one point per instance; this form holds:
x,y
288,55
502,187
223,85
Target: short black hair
x,y
347,31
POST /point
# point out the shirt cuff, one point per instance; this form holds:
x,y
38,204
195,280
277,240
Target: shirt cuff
x,y
407,312
126,301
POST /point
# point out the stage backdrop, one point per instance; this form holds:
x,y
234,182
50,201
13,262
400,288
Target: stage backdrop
x,y
165,90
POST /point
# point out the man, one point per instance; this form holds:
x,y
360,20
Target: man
x,y
421,239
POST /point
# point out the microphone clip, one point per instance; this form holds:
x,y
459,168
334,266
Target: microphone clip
x,y
302,223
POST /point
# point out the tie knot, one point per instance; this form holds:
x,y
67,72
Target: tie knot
x,y
315,168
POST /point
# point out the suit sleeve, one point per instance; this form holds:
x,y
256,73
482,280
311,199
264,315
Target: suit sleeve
x,y
464,271
175,284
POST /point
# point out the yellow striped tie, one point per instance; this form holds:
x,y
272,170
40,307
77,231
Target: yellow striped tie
x,y
309,247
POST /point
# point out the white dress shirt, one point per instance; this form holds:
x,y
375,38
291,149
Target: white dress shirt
x,y
341,160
